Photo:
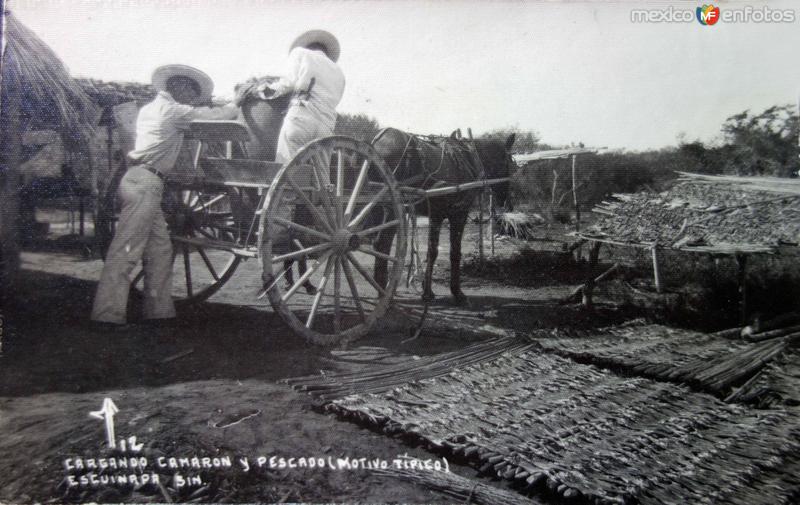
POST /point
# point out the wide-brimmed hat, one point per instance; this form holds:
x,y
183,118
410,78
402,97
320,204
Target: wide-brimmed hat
x,y
162,74
325,39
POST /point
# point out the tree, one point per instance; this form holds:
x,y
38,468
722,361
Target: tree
x,y
762,144
753,144
358,126
526,141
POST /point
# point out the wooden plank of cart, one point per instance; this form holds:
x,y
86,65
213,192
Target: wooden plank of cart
x,y
342,195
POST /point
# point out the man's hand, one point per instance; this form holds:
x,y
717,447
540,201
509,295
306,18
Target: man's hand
x,y
265,92
244,92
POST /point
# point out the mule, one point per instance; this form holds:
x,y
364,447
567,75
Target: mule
x,y
424,163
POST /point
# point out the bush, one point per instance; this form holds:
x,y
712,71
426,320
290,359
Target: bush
x,y
754,144
358,126
546,185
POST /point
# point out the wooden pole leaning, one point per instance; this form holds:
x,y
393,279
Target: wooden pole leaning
x,y
656,269
480,199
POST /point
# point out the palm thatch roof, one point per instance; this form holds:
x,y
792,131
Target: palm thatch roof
x,y
111,93
49,97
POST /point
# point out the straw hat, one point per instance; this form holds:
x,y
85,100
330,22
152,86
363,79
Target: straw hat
x,y
326,39
162,74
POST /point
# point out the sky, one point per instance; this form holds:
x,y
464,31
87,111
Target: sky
x,y
570,71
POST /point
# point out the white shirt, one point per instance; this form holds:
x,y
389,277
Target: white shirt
x,y
305,64
161,125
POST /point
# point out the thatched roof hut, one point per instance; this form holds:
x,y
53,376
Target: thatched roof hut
x,y
49,98
37,94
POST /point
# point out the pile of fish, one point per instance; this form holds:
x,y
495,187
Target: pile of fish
x,y
703,213
714,363
558,428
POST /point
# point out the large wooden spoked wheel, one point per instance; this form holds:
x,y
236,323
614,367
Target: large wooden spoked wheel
x,y
326,207
196,219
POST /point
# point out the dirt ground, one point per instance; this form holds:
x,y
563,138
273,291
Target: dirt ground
x,y
211,387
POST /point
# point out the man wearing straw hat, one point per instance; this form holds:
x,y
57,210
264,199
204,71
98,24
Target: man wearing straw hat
x,y
141,232
316,84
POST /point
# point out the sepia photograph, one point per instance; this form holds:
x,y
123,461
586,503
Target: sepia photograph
x,y
487,252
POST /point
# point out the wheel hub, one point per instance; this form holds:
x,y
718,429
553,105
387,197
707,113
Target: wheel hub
x,y
344,241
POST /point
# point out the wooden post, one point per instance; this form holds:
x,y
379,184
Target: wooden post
x,y
656,269
575,193
480,226
491,218
741,260
480,203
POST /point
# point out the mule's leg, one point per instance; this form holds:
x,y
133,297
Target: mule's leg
x,y
433,251
289,277
457,223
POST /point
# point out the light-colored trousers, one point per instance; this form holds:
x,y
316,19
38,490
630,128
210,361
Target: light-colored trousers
x,y
299,128
141,234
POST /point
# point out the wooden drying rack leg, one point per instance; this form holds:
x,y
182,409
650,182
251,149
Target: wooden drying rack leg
x,y
741,260
657,270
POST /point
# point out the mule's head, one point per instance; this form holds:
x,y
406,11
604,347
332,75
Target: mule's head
x,y
498,163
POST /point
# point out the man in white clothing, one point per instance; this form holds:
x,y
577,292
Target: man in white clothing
x,y
316,84
141,232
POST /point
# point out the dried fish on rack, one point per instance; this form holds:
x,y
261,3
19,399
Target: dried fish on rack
x,y
461,488
557,427
702,211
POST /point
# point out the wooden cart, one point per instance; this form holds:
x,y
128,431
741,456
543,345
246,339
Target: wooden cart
x,y
342,195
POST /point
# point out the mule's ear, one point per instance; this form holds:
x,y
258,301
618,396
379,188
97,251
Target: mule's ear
x,y
510,141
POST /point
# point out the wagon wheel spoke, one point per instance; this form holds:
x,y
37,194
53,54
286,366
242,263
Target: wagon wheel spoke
x,y
314,211
295,226
376,229
303,278
187,267
315,304
206,234
351,203
302,252
378,254
367,208
365,274
353,289
207,261
205,205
